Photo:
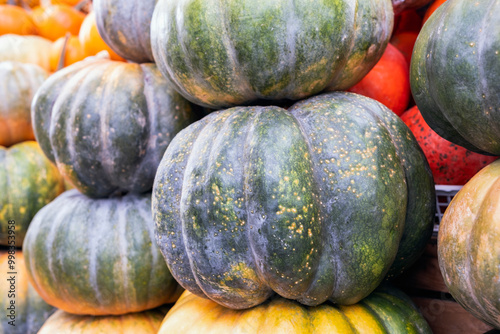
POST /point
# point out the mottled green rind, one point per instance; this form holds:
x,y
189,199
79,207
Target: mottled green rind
x,y
98,257
125,27
309,203
454,74
227,53
107,124
28,181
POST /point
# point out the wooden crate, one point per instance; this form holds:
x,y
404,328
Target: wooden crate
x,y
424,284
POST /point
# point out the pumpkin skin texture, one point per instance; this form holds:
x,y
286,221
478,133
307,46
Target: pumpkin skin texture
x,y
147,322
26,49
17,88
384,311
469,247
450,164
125,26
98,256
454,74
255,200
28,181
54,21
287,50
31,309
123,113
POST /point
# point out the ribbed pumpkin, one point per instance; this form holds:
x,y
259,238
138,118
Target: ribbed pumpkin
x,y
125,27
385,311
107,123
28,181
54,21
310,203
30,310
17,87
26,49
147,322
15,20
229,53
98,256
454,73
469,245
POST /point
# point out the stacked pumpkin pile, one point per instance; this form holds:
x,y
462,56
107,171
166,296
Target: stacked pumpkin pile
x,y
284,209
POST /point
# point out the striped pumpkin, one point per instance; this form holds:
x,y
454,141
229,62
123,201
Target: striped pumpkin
x,y
28,181
106,124
17,88
147,322
98,256
385,311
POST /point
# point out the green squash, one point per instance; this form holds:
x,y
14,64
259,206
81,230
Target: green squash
x,y
387,310
28,181
311,203
234,52
98,256
24,311
124,25
106,124
18,85
454,74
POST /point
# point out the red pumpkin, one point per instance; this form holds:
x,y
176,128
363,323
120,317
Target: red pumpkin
x,y
388,81
450,163
404,42
432,8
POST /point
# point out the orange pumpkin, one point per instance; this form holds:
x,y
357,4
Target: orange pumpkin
x,y
432,8
91,41
147,322
21,3
15,20
388,81
73,52
26,49
54,21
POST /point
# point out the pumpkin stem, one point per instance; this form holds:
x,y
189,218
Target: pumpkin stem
x,y
12,2
79,6
62,58
25,5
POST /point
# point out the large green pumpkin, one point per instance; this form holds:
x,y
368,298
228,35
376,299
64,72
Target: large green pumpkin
x,y
17,87
233,52
454,73
124,25
24,311
28,181
312,203
469,245
386,310
98,256
106,124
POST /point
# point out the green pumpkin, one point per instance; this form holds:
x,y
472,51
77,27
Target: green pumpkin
x,y
234,52
98,256
387,310
124,25
312,203
29,311
28,181
17,87
106,124
454,74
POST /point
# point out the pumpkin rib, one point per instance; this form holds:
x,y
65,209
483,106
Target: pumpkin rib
x,y
335,267
473,244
